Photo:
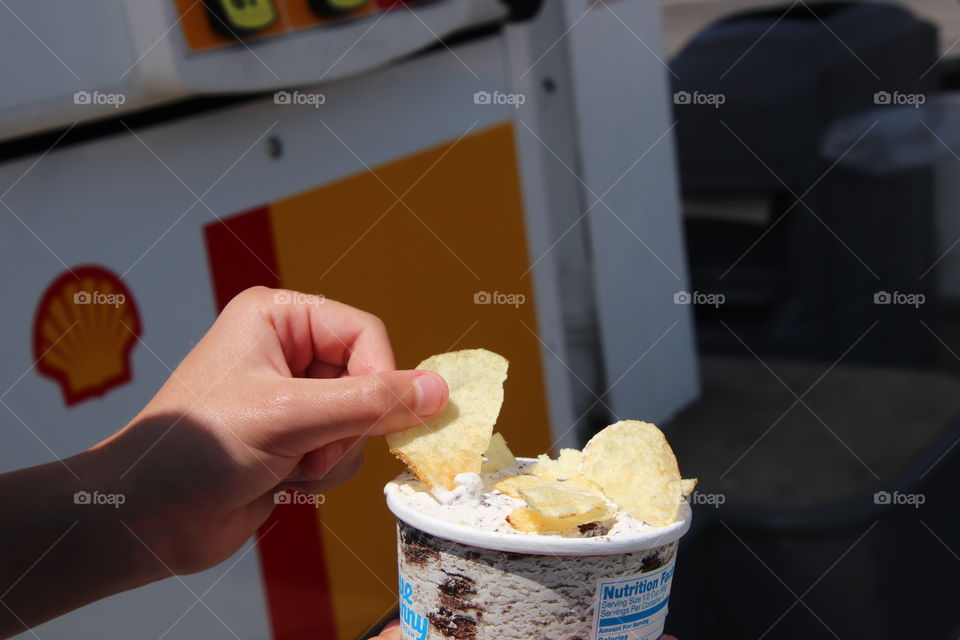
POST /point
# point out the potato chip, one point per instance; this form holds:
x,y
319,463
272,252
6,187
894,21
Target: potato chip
x,y
511,486
526,519
498,455
453,442
585,485
567,465
560,500
635,467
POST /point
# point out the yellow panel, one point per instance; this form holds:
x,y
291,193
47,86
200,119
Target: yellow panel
x,y
420,276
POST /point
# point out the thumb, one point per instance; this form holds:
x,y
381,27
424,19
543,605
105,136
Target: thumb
x,y
316,412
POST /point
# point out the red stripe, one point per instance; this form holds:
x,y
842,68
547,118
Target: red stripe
x,y
241,254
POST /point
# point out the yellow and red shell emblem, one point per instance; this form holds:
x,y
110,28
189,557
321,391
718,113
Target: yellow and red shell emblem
x,y
84,329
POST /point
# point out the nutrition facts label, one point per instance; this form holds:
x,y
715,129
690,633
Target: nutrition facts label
x,y
632,608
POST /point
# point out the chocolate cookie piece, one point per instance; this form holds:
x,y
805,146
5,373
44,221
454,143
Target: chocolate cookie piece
x,y
416,547
592,529
453,625
458,585
456,604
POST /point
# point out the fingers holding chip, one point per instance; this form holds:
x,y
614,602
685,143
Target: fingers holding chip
x,y
454,441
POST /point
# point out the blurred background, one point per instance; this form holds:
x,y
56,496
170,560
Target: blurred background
x,y
734,218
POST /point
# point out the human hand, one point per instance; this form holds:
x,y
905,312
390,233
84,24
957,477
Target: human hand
x,y
275,396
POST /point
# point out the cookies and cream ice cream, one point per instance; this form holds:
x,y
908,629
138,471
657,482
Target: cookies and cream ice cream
x,y
466,573
467,491
451,590
581,547
477,504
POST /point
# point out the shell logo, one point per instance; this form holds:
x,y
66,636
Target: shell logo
x,y
84,329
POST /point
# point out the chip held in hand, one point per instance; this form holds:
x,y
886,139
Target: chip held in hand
x,y
454,441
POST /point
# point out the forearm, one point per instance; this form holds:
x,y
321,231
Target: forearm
x,y
60,551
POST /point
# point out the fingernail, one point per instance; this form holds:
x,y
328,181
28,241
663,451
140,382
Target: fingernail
x,y
431,391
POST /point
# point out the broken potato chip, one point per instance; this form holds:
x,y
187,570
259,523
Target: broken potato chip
x,y
511,486
567,465
687,485
635,467
453,442
498,455
560,499
532,521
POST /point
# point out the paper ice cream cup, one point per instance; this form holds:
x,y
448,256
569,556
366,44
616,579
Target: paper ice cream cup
x,y
461,582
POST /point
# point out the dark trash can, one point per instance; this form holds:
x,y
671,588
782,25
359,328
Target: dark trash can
x,y
756,94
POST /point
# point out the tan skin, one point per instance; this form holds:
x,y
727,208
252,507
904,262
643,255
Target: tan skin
x,y
275,396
